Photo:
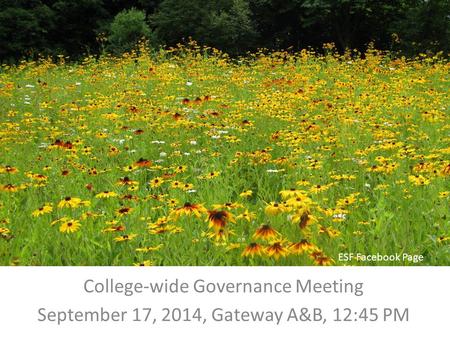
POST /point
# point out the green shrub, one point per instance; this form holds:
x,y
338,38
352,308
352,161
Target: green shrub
x,y
127,28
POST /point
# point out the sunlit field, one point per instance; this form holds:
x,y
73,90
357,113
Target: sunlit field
x,y
186,157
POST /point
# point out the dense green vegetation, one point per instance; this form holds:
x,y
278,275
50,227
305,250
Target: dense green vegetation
x,y
187,157
77,27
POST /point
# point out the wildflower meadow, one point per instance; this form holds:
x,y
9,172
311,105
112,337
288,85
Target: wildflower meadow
x,y
189,157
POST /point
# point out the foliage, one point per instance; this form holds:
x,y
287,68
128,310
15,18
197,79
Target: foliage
x,y
231,29
71,27
128,27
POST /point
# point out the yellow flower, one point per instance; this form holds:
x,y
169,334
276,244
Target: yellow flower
x,y
12,188
277,250
266,232
301,247
70,226
444,194
419,180
442,239
303,183
273,209
4,230
156,182
228,206
303,219
330,231
144,263
285,194
8,169
246,193
129,168
176,184
212,174
150,248
350,199
319,188
187,186
123,211
253,249
47,208
219,218
247,215
124,238
189,208
106,194
70,202
320,258
180,169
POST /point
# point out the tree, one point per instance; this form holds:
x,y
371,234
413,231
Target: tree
x,y
279,23
24,28
77,23
224,24
128,27
176,20
424,26
231,29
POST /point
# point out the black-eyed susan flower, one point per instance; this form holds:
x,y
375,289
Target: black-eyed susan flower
x,y
329,231
285,194
125,238
114,228
303,183
219,218
176,184
181,169
45,209
143,163
443,238
444,194
273,209
106,194
126,181
189,208
228,206
156,182
266,232
12,187
301,247
70,202
253,249
320,258
161,221
210,175
277,250
69,226
8,169
165,229
4,231
172,202
247,215
150,248
303,219
315,189
419,180
144,263
221,234
124,211
129,168
187,186
246,193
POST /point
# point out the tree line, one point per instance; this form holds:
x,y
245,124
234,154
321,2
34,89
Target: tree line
x,y
29,28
